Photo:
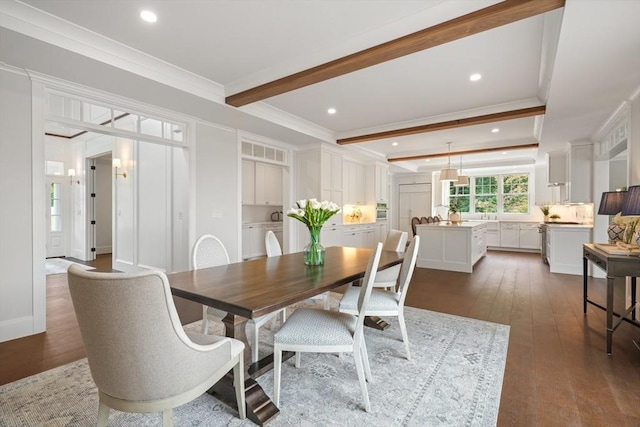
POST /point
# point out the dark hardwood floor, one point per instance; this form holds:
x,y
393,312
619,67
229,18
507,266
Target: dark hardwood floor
x,y
557,373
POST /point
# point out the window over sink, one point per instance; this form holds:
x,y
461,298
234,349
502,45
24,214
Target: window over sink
x,y
493,194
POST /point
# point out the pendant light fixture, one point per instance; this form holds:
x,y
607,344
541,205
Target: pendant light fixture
x,y
449,173
462,179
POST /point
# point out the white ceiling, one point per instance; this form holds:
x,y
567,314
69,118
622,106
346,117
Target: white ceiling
x,y
582,61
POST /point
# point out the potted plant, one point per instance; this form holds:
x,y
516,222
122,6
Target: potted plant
x,y
545,209
454,211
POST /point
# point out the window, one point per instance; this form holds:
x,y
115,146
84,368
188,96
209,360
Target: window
x,y
486,190
493,194
515,192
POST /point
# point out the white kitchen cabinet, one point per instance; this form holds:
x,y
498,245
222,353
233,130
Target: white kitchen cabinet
x,y
556,167
368,237
253,241
529,238
331,173
355,183
451,247
565,248
381,183
248,182
493,234
382,229
351,237
331,235
509,235
268,184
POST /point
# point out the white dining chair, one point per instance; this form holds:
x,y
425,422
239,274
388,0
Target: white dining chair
x,y
396,241
387,303
325,331
140,357
274,249
254,325
208,252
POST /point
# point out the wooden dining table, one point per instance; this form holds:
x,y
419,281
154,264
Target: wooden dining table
x,y
250,289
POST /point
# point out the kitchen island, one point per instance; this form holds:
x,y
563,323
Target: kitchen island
x,y
452,247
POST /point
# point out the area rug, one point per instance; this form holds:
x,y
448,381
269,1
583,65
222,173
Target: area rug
x,y
453,379
60,265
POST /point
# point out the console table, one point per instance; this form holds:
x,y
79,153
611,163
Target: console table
x,y
614,266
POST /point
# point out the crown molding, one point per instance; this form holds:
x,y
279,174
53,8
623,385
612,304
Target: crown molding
x,y
290,121
40,25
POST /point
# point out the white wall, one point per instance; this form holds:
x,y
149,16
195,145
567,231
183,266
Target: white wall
x,y
17,280
633,143
217,187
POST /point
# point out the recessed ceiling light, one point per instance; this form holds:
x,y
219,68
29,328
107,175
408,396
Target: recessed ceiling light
x,y
495,130
395,144
475,77
504,153
427,160
148,16
331,111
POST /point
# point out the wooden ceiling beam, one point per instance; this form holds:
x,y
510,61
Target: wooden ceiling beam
x,y
450,124
476,22
462,153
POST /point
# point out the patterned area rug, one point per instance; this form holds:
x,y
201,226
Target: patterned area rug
x,y
454,379
60,265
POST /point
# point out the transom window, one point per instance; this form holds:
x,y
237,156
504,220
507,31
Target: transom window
x,y
493,194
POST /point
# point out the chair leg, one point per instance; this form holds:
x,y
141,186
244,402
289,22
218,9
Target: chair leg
x,y
238,383
405,336
365,361
103,415
277,368
167,419
283,316
357,357
298,353
205,321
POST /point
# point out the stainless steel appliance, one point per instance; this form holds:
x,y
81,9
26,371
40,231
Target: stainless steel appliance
x,y
381,211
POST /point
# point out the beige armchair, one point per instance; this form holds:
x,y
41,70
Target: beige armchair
x,y
140,357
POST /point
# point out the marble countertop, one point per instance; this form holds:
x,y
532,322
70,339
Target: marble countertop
x,y
464,224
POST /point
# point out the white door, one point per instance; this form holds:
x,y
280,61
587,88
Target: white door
x,y
415,200
57,196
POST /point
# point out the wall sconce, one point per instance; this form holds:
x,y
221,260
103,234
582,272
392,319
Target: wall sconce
x,y
72,173
116,166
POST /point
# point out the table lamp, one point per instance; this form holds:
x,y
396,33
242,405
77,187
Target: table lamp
x,y
611,204
631,207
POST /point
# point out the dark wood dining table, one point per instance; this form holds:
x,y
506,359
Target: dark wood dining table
x,y
250,289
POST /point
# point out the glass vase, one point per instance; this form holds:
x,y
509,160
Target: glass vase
x,y
314,251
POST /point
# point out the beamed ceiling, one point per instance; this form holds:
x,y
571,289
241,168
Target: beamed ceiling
x,y
397,72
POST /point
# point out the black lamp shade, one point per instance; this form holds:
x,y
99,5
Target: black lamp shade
x,y
611,202
631,204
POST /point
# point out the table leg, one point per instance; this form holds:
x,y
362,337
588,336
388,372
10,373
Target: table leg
x,y
634,300
260,408
610,285
585,263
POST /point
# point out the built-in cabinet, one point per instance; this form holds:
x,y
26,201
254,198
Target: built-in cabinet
x,y
331,177
382,229
451,247
359,236
355,183
519,235
380,187
253,241
564,248
261,183
556,167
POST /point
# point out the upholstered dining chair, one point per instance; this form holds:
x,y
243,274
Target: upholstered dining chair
x,y
324,331
425,220
385,303
414,221
209,251
274,249
140,357
396,241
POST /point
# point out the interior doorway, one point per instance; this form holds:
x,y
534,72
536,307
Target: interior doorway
x,y
56,212
100,205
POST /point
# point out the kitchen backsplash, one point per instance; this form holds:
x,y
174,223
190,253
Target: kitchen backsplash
x,y
578,213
